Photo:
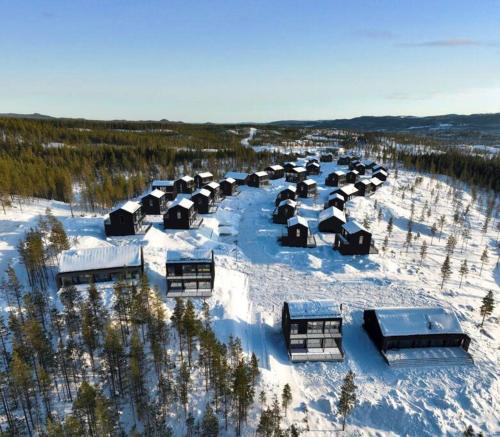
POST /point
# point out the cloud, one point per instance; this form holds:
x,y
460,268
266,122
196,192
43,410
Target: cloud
x,y
451,43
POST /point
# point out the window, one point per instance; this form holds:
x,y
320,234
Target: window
x,y
314,327
297,233
361,239
151,203
329,343
174,285
314,343
179,215
294,328
297,344
331,327
189,269
205,285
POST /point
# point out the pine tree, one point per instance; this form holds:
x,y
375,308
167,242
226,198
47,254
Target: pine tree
x,y
464,270
487,307
423,252
433,231
347,400
484,259
210,423
451,244
441,221
390,225
445,270
286,397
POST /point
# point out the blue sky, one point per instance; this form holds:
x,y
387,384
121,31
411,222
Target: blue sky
x,y
254,60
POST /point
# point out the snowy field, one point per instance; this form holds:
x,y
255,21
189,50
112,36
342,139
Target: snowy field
x,y
254,275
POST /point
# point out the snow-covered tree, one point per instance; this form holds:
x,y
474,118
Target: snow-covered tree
x,y
487,307
347,400
464,270
445,270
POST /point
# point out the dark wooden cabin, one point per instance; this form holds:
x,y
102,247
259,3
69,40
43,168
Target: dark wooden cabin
x,y
378,167
336,200
344,160
326,157
307,188
275,172
358,166
126,220
418,336
185,185
168,187
288,193
313,168
369,164
336,179
229,187
100,264
203,201
285,210
296,175
331,220
365,187
289,166
190,275
376,183
312,330
181,214
258,179
354,239
347,191
203,178
298,233
215,191
240,177
352,176
380,174
154,203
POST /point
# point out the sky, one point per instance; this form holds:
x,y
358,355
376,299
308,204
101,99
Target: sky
x,y
253,60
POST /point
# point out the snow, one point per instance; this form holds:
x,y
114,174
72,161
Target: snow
x,y
336,196
297,220
182,202
213,185
157,193
331,212
376,182
276,167
202,192
339,173
291,188
100,258
352,226
309,182
348,189
184,255
205,174
417,321
313,309
299,170
261,174
230,180
130,206
289,202
187,178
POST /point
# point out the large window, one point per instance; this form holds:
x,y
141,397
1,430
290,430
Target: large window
x,y
332,327
314,343
361,239
297,344
294,328
179,215
314,327
329,343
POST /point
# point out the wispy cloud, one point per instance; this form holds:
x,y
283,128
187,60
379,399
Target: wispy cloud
x,y
451,43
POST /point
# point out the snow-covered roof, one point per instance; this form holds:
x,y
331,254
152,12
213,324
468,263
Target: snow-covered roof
x,y
297,220
184,255
349,189
275,167
205,174
202,192
186,178
381,170
213,185
183,203
157,193
378,167
314,163
131,206
365,182
339,173
331,212
336,196
376,181
417,321
162,183
293,163
261,174
309,182
99,258
313,309
236,175
353,226
299,169
354,171
230,180
291,188
290,202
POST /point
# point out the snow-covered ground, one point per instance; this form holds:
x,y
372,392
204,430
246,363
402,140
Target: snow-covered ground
x,y
254,275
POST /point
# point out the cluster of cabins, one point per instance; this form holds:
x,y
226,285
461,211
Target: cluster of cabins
x,y
312,329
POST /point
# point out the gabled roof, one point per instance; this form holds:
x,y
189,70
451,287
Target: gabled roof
x,y
352,227
100,258
417,321
186,178
376,181
313,163
261,174
356,172
292,188
275,167
313,309
365,182
381,171
229,180
293,163
184,255
214,185
156,193
201,192
338,173
349,189
130,206
162,183
378,167
309,182
336,196
299,169
205,174
289,202
297,220
183,203
331,212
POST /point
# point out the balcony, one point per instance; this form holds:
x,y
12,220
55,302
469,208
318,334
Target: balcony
x,y
320,354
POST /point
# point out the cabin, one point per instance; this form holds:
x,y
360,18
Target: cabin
x,y
168,187
354,239
418,336
185,185
190,275
347,191
214,188
378,167
344,160
229,187
312,330
331,220
289,166
240,177
358,166
181,214
154,203
352,176
275,172
285,210
296,175
100,264
203,201
369,164
326,157
376,183
365,187
288,193
380,174
202,179
307,188
336,179
126,220
336,200
258,179
313,168
298,233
